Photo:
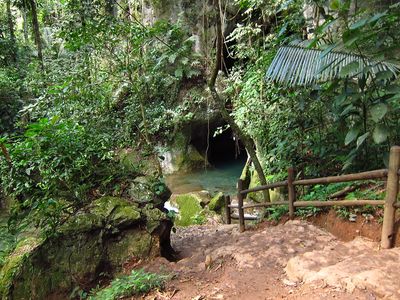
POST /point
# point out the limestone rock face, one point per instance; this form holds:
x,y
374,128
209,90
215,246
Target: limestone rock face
x,y
181,156
99,239
198,16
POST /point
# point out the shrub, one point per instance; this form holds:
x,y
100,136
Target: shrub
x,y
56,167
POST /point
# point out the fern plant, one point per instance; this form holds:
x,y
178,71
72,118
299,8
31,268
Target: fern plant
x,y
297,65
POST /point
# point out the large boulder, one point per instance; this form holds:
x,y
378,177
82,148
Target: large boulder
x,y
190,210
97,241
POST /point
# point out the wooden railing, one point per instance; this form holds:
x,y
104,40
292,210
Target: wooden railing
x,y
390,203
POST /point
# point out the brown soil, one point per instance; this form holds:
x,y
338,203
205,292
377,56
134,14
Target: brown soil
x,y
325,257
218,262
367,226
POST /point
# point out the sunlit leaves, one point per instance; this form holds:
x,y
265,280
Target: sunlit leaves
x,y
351,136
378,111
380,134
362,139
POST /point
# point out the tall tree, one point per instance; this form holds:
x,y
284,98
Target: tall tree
x,y
246,140
36,31
25,23
11,31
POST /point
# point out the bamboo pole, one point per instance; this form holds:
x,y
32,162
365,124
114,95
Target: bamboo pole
x,y
264,187
338,203
228,209
291,192
344,178
266,204
392,189
240,206
318,203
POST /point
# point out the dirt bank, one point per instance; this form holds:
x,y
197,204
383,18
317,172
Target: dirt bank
x,y
295,260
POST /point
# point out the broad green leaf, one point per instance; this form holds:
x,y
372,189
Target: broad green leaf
x,y
335,4
359,23
339,99
394,98
350,68
362,139
380,134
376,17
347,110
378,111
393,89
351,135
384,75
350,36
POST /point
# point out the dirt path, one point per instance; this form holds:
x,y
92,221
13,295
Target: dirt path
x,y
295,260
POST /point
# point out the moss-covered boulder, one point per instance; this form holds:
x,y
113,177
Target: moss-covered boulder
x,y
190,210
217,202
98,239
274,194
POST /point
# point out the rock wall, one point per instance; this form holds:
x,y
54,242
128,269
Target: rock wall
x,y
198,16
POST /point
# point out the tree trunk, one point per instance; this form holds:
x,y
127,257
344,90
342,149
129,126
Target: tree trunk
x,y
111,8
25,24
11,31
36,32
246,140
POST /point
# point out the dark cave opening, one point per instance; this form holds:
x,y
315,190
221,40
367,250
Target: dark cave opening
x,y
221,149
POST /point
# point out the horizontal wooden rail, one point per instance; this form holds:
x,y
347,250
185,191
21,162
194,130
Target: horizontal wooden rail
x,y
266,204
317,203
265,187
392,176
344,178
338,203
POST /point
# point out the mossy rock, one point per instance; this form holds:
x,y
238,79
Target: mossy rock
x,y
153,217
133,162
189,160
274,194
190,210
110,211
13,264
99,239
217,202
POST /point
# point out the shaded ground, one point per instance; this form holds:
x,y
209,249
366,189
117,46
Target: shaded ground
x,y
295,260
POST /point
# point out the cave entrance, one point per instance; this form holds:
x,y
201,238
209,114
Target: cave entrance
x,y
219,144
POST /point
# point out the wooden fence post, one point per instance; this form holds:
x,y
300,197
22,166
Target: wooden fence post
x,y
291,192
228,209
240,206
392,188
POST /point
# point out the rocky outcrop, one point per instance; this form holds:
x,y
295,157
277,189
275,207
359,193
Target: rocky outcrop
x,y
198,16
97,241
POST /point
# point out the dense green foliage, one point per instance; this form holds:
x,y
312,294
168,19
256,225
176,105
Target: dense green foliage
x,y
343,124
90,91
81,82
138,282
108,83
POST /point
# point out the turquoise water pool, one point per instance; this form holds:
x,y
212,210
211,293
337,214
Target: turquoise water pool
x,y
222,178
